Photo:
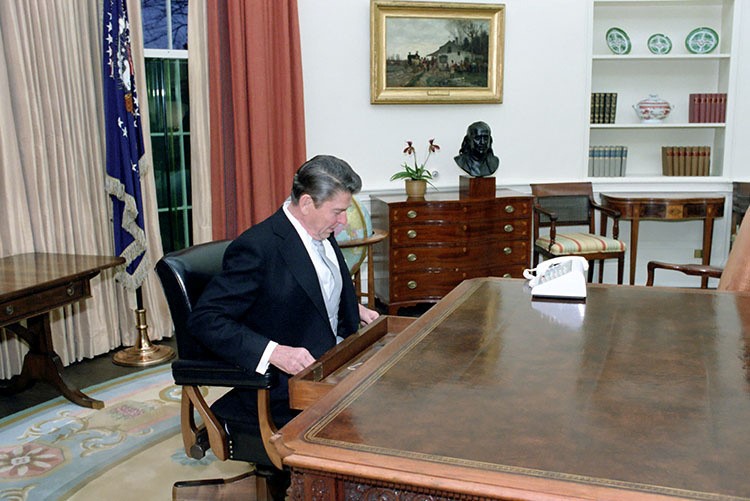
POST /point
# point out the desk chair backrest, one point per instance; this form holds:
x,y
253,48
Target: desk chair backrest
x,y
184,275
736,274
571,202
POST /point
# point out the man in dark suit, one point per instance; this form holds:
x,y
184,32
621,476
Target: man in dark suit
x,y
277,300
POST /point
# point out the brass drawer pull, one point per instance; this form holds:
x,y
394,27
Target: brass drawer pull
x,y
507,275
508,228
411,257
510,209
9,310
412,284
70,291
411,214
411,234
507,251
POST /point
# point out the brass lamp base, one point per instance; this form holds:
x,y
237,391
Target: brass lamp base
x,y
144,352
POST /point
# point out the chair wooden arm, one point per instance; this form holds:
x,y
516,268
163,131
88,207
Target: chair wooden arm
x,y
612,213
538,209
688,269
191,374
550,214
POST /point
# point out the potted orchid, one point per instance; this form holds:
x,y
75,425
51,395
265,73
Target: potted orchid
x,y
416,176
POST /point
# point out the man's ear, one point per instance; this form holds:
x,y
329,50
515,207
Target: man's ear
x,y
306,203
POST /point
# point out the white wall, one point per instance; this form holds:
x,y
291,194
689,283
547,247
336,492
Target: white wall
x,y
539,130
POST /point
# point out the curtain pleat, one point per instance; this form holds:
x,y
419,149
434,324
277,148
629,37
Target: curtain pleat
x,y
200,124
257,109
52,168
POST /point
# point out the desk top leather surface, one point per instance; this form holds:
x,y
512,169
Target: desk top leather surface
x,y
21,274
638,393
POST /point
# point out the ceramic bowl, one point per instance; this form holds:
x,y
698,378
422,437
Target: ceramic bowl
x,y
652,109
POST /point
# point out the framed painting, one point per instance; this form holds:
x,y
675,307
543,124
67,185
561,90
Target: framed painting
x,y
430,52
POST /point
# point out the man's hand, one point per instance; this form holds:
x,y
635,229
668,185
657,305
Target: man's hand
x,y
290,360
367,315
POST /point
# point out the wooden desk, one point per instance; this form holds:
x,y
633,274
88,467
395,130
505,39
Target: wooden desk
x,y
665,207
640,394
31,286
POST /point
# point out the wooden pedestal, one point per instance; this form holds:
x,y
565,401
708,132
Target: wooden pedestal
x,y
476,187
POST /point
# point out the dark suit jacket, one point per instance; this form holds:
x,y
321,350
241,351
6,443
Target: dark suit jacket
x,y
269,290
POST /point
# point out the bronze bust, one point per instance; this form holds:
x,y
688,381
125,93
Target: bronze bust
x,y
475,156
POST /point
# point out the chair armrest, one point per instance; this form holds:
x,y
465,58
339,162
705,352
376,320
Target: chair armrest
x,y
538,209
550,214
218,373
613,213
688,269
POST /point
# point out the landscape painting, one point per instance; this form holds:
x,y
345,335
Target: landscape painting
x,y
428,52
436,52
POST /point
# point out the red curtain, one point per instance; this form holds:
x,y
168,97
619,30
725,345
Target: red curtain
x,y
257,109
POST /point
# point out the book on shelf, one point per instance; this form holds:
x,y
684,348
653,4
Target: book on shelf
x,y
603,107
686,160
707,108
607,161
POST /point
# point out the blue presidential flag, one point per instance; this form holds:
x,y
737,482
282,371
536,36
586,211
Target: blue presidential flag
x,y
124,143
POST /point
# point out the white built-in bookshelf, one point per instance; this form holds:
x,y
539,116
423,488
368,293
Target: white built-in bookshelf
x,y
673,77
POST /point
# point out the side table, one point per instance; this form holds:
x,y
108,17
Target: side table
x,y
31,286
665,207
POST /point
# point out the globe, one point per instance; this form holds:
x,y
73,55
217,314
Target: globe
x,y
359,225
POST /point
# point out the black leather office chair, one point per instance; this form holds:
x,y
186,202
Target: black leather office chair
x,y
184,275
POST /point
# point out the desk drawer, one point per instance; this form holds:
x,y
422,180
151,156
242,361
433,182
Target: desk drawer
x,y
434,284
478,254
449,212
15,310
315,381
468,233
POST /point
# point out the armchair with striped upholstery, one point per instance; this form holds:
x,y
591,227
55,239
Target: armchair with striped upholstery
x,y
571,205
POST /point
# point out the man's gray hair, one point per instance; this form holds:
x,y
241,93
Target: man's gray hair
x,y
322,177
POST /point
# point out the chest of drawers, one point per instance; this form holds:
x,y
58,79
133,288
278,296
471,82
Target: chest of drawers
x,y
435,243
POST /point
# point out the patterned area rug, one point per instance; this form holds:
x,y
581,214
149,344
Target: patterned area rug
x,y
129,450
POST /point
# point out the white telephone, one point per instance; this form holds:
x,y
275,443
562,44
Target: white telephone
x,y
559,278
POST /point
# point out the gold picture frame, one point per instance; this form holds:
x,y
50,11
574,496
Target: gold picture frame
x,y
462,47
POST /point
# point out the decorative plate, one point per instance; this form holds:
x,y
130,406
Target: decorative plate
x,y
659,44
701,41
618,41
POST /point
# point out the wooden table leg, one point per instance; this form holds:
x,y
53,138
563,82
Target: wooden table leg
x,y
43,364
370,278
708,233
633,248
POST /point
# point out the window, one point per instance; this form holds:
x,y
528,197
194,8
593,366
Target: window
x,y
165,43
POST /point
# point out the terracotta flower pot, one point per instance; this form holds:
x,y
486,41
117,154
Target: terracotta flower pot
x,y
416,188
